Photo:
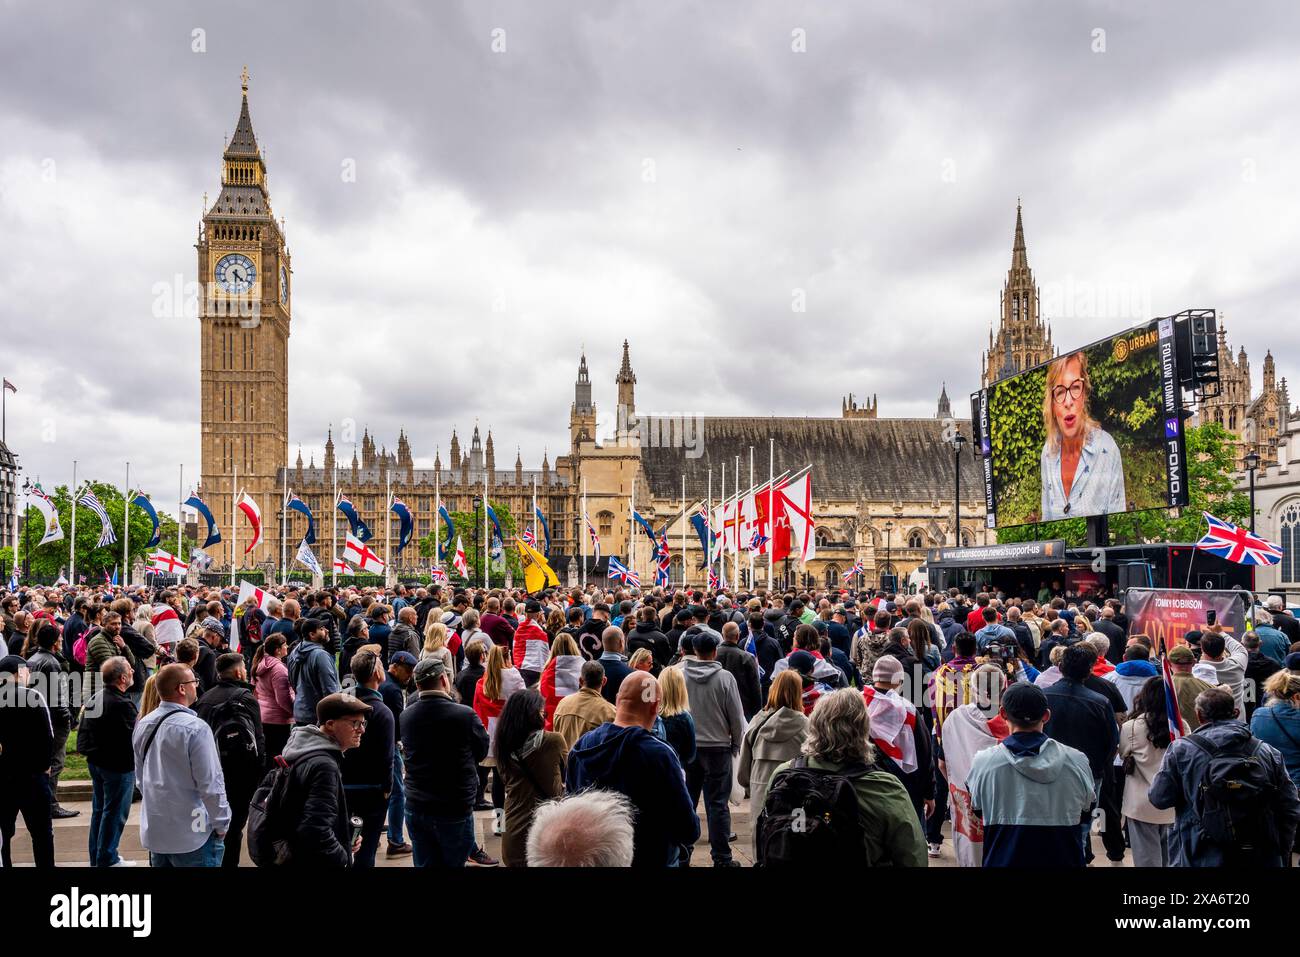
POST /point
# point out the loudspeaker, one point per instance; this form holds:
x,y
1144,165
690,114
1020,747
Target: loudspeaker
x,y
1135,575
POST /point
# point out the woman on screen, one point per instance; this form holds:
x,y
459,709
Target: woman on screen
x,y
1081,469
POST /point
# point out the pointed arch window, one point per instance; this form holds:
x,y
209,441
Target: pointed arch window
x,y
1290,542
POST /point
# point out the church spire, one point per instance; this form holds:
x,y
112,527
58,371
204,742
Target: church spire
x,y
1019,257
626,380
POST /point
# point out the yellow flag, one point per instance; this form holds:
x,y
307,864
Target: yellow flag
x,y
537,573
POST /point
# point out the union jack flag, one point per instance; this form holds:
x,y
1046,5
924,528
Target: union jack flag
x,y
529,538
665,560
595,539
704,514
620,571
857,569
438,575
1238,545
758,541
1174,716
714,582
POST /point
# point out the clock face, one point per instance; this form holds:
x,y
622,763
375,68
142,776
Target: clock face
x,y
236,273
284,285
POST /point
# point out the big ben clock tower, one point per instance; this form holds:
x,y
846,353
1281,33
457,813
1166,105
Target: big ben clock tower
x,y
245,274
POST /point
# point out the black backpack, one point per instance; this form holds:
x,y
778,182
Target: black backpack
x,y
268,827
235,733
1234,807
810,818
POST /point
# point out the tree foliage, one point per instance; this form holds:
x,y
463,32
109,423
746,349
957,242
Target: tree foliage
x,y
466,523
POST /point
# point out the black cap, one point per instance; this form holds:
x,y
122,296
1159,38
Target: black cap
x,y
1024,703
705,642
533,606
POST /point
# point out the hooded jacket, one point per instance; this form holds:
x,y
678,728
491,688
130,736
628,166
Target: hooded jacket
x,y
647,635
312,674
1129,677
274,694
1183,774
1278,724
715,705
638,765
1032,793
773,738
320,836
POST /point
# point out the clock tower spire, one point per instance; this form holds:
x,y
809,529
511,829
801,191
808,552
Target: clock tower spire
x,y
244,319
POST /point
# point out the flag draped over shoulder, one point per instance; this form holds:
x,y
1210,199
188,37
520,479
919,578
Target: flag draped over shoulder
x,y
537,572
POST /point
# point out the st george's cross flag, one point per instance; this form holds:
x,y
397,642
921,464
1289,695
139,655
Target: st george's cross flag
x,y
342,567
362,555
1237,544
161,561
893,727
254,516
458,559
167,628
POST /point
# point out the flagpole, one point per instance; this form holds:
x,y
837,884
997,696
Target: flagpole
x,y
684,521
126,529
284,524
708,530
771,516
234,527
72,545
334,530
751,485
437,509
735,530
180,507
631,528
535,529
487,540
388,523
582,535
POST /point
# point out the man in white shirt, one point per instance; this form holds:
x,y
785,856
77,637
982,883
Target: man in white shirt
x,y
184,814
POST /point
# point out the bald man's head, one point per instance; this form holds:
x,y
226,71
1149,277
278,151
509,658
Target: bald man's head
x,y
611,639
638,701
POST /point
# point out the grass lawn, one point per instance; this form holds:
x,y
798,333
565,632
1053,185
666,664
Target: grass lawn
x,y
75,768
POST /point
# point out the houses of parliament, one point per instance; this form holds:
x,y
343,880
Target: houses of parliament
x,y
883,487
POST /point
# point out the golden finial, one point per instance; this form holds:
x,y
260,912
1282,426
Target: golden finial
x,y
243,80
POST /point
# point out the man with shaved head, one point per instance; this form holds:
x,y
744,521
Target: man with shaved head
x,y
624,756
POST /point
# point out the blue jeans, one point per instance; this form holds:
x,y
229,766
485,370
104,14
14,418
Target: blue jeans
x,y
397,803
440,842
110,805
209,855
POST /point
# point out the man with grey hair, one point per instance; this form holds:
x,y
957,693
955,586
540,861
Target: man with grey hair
x,y
591,829
838,744
1283,620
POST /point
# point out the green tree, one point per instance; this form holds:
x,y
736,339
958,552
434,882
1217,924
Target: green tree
x,y
465,523
92,560
1211,488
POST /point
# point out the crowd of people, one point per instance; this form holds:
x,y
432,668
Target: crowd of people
x,y
612,727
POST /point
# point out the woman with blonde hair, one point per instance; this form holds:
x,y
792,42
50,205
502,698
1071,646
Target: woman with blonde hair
x,y
773,737
149,698
435,646
1080,465
641,660
561,677
675,713
500,680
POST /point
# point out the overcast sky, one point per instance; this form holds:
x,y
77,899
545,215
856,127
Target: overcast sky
x,y
680,174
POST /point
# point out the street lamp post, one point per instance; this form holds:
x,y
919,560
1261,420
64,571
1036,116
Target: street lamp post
x,y
889,531
958,441
1252,464
27,533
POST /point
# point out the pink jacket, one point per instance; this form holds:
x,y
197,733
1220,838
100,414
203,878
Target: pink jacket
x,y
274,695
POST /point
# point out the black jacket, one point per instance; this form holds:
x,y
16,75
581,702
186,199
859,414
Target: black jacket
x,y
442,744
25,737
647,636
466,681
785,630
315,803
769,653
241,695
1084,720
1107,627
744,668
104,734
143,649
205,669
370,764
53,684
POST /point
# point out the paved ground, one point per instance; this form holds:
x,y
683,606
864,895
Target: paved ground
x,y
70,842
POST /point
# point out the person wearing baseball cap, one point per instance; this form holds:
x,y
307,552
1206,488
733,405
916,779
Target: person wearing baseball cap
x,y
1033,793
1186,685
320,835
